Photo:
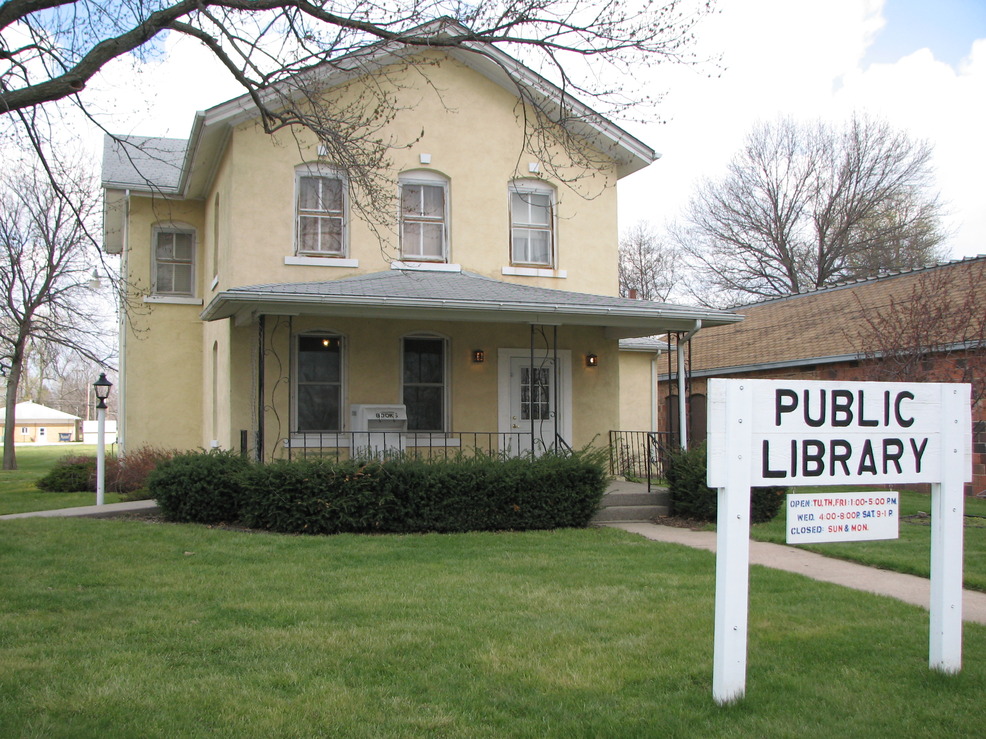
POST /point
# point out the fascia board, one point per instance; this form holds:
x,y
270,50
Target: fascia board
x,y
635,323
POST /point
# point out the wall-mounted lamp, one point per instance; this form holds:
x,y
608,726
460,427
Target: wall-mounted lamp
x,y
591,360
478,356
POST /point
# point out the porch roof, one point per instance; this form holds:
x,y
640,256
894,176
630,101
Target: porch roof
x,y
459,296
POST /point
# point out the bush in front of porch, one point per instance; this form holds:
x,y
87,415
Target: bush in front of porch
x,y
692,498
403,495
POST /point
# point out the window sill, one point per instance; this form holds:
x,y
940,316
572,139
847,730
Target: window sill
x,y
172,299
426,266
302,261
534,272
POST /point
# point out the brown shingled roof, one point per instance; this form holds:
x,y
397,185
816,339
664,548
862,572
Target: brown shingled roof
x,y
816,326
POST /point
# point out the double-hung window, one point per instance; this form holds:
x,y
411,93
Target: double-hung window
x,y
321,213
532,224
173,270
424,217
424,382
319,383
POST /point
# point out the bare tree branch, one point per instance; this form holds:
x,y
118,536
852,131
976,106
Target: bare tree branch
x,y
805,206
45,250
936,332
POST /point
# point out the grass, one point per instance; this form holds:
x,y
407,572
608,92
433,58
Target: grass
x,y
112,628
18,493
911,553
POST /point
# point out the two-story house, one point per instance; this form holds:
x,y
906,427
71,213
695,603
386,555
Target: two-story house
x,y
270,310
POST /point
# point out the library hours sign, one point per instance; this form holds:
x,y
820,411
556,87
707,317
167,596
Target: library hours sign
x,y
791,433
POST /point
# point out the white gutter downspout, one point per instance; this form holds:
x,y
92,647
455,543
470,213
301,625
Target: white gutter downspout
x,y
682,404
653,391
121,396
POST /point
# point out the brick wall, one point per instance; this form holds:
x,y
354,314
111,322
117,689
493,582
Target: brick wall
x,y
855,371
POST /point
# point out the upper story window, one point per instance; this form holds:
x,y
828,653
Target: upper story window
x,y
532,223
173,267
321,212
424,217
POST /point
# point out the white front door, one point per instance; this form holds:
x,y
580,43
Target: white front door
x,y
531,402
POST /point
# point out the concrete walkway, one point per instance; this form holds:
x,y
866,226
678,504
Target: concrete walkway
x,y
88,511
908,588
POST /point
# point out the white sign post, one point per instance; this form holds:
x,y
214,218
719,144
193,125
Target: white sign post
x,y
776,432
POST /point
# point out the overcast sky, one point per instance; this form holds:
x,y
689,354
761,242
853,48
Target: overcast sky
x,y
920,64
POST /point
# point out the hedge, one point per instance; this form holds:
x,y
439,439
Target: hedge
x,y
199,487
397,496
692,498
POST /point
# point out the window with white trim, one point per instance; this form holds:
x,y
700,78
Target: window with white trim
x,y
320,228
424,217
173,266
318,382
532,223
423,377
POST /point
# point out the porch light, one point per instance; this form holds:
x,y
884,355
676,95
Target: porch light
x,y
591,360
478,356
102,389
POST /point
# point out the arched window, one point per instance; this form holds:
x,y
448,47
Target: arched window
x,y
532,223
424,216
318,382
424,380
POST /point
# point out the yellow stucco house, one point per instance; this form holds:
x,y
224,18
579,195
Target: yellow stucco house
x,y
277,317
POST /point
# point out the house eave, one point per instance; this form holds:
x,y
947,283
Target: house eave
x,y
620,323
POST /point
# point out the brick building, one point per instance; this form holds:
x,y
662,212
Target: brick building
x,y
925,325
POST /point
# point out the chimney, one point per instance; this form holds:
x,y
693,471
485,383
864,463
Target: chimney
x,y
632,293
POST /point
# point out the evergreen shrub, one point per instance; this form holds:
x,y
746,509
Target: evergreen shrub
x,y
481,493
73,474
199,487
692,498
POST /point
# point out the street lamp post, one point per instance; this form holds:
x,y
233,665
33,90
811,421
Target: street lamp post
x,y
102,388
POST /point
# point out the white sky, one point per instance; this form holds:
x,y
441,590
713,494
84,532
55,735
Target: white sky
x,y
919,64
817,60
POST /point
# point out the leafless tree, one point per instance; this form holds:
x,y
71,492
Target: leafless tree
x,y
46,265
808,205
281,51
648,266
935,332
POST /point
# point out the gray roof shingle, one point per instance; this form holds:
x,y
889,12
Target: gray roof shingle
x,y
461,294
143,162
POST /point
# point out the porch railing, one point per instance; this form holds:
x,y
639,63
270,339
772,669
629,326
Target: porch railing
x,y
640,454
339,445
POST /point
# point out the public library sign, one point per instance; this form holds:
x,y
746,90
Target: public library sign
x,y
777,432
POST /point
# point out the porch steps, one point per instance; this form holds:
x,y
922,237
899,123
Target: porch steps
x,y
629,502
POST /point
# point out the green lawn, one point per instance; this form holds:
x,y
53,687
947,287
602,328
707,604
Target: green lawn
x,y
911,553
18,493
112,628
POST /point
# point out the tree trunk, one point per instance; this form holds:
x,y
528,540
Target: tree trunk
x,y
10,422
